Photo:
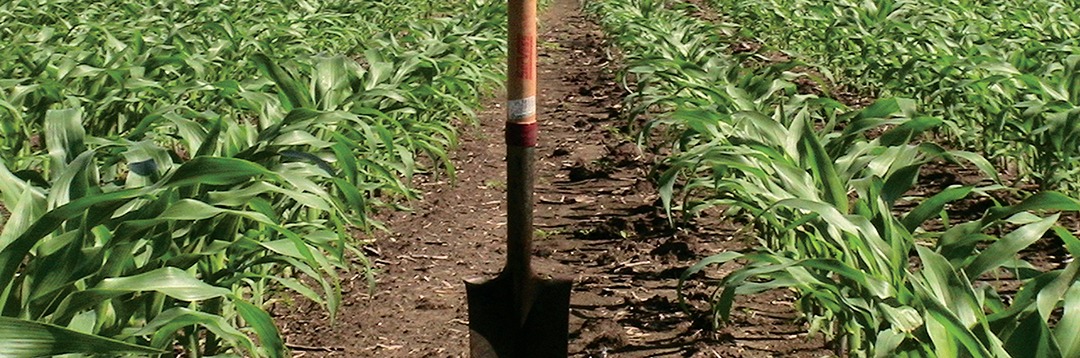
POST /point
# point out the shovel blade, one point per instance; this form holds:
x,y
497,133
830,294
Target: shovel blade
x,y
497,331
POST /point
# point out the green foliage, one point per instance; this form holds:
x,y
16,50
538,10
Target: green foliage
x,y
1003,74
170,167
24,338
821,185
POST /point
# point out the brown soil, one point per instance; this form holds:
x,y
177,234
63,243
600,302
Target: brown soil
x,y
597,221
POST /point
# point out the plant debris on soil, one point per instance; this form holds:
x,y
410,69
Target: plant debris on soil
x,y
596,219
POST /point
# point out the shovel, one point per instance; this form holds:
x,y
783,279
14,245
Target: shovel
x,y
519,314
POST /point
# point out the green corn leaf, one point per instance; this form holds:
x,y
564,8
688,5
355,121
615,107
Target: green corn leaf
x,y
238,197
291,88
1066,329
22,338
887,341
73,182
724,302
711,260
1032,339
1072,243
826,211
64,136
904,318
28,208
79,302
1024,301
164,326
717,259
331,82
667,189
824,168
147,160
932,207
907,131
170,281
952,329
12,188
209,144
858,126
874,285
296,119
300,138
1050,295
264,327
885,108
1008,246
899,183
191,132
189,209
295,285
216,171
65,265
944,284
977,160
12,255
1046,200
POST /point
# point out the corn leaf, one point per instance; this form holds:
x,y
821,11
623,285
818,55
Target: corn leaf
x,y
215,171
264,327
1066,328
22,338
932,207
170,281
1008,246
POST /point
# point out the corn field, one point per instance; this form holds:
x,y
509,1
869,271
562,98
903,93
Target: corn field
x,y
826,185
170,166
1003,74
169,170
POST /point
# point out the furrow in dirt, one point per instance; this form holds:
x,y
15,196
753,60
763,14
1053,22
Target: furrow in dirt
x,y
597,221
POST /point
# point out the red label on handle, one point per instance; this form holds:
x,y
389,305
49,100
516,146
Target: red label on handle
x,y
521,134
526,57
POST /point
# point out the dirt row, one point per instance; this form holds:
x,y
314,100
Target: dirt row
x,y
597,221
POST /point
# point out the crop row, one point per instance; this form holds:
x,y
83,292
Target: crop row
x,y
1004,74
821,185
169,166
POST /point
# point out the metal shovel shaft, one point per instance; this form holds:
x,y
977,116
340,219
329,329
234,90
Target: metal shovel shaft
x,y
519,226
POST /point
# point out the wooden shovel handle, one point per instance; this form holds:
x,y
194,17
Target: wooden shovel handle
x,y
521,125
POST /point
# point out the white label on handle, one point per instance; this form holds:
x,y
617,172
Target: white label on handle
x,y
521,108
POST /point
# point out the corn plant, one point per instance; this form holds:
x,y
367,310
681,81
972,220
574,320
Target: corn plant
x,y
987,68
937,309
822,197
849,257
122,236
170,168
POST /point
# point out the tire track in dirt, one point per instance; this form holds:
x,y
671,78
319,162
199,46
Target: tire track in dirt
x,y
597,221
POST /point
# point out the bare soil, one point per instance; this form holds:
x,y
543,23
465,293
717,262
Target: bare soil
x,y
597,220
